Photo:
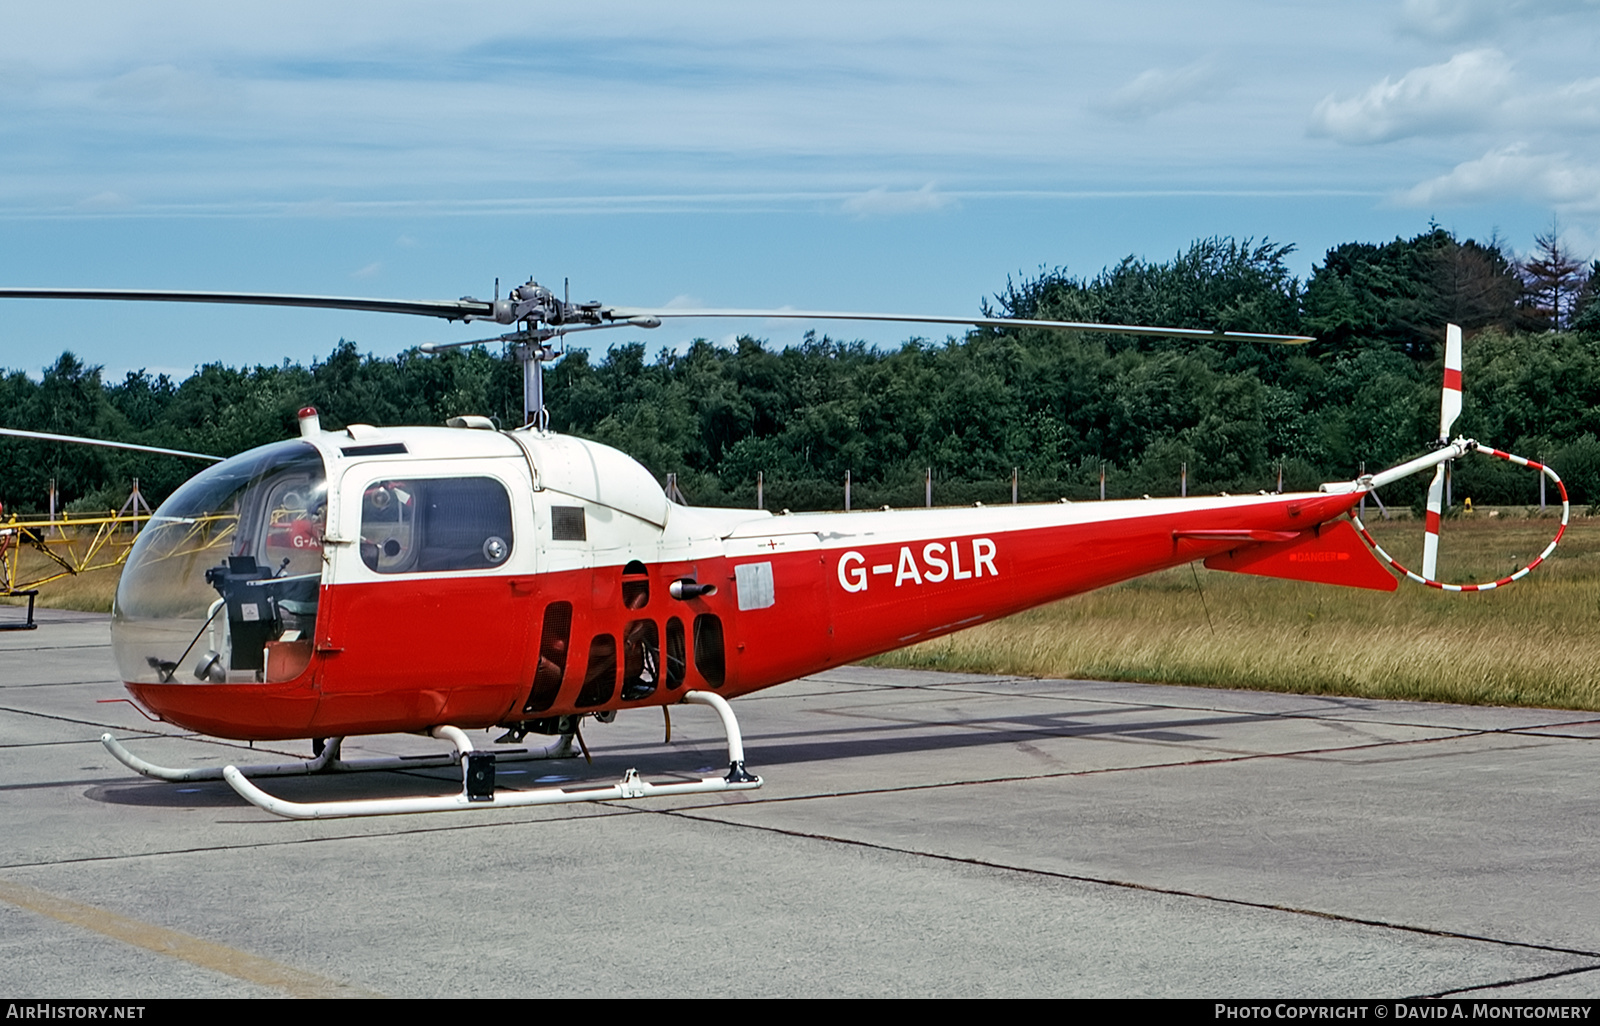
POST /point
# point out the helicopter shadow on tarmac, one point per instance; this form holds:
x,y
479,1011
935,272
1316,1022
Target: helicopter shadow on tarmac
x,y
869,737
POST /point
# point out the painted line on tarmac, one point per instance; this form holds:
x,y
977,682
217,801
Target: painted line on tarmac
x,y
964,679
46,744
1551,732
59,684
599,810
75,721
218,958
47,785
1024,778
1127,884
1309,714
1517,982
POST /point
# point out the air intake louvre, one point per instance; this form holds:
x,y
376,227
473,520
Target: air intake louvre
x,y
567,524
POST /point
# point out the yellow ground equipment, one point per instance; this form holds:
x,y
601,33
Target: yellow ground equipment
x,y
71,544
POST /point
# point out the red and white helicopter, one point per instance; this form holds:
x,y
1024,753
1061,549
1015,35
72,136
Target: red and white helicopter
x,y
435,580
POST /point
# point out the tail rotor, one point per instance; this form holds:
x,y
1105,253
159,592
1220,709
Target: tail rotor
x,y
1445,451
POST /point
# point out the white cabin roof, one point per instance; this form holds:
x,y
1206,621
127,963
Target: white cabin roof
x,y
573,466
593,472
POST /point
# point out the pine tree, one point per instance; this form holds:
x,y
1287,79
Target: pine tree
x,y
1552,280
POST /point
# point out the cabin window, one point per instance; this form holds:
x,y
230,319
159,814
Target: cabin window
x,y
708,654
294,514
295,511
600,679
552,657
641,660
677,654
456,523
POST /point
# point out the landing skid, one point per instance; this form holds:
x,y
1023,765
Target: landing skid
x,y
327,761
477,790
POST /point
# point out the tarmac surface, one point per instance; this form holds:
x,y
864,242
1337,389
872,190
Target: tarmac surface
x,y
918,834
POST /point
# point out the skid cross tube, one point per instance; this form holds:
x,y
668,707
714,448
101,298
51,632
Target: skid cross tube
x,y
630,786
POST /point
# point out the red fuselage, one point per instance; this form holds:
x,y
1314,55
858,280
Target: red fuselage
x,y
793,595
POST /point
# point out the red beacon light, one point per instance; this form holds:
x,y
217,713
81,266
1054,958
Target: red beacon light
x,y
310,423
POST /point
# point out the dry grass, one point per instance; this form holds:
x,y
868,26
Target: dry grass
x,y
1534,643
90,592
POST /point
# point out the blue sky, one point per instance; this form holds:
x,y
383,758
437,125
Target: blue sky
x,y
871,156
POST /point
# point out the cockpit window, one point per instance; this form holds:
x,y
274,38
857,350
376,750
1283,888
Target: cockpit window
x,y
293,514
455,523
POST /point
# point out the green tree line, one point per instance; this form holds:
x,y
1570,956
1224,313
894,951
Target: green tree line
x,y
1061,408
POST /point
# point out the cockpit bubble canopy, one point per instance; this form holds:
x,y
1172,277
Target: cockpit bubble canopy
x,y
223,581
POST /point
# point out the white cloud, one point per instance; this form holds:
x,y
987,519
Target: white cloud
x,y
1464,92
1513,173
406,108
369,271
883,202
166,89
102,202
1581,240
1162,89
1574,105
1454,20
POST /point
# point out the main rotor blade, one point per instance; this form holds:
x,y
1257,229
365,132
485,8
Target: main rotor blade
x,y
449,309
621,312
46,437
463,309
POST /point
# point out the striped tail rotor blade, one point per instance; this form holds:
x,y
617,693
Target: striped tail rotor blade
x,y
1449,410
1430,539
1450,405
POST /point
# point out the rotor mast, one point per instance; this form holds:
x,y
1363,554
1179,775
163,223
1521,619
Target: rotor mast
x,y
544,317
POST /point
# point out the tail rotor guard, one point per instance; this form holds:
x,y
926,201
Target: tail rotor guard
x,y
1445,451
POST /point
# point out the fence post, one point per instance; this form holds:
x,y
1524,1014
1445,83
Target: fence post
x,y
927,489
1014,485
761,493
1183,480
847,491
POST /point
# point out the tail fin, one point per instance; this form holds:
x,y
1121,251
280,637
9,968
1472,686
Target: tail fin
x,y
1329,554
